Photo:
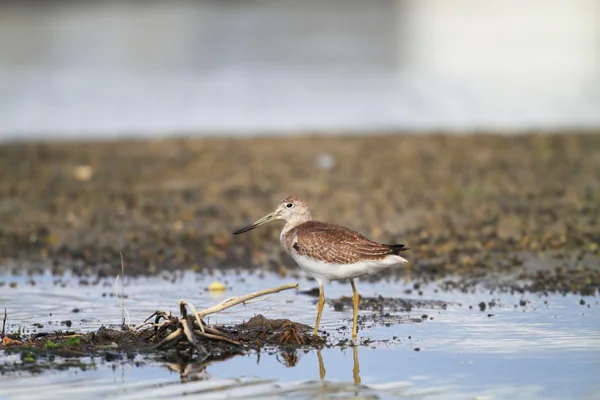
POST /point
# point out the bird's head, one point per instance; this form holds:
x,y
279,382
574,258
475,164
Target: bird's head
x,y
291,209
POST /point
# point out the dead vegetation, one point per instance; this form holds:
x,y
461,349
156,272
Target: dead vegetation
x,y
187,334
189,327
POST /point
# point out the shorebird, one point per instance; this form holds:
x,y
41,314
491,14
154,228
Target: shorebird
x,y
328,252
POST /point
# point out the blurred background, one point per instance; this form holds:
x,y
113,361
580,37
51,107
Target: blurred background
x,y
104,69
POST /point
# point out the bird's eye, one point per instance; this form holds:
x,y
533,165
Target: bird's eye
x,y
289,205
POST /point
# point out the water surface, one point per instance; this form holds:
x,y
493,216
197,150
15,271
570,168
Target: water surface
x,y
525,347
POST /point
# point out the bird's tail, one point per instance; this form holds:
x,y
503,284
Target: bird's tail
x,y
397,248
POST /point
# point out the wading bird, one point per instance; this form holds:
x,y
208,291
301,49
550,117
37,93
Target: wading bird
x,y
328,252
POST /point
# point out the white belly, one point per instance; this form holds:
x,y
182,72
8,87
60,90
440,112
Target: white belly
x,y
324,272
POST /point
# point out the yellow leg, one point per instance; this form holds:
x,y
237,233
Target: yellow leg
x,y
320,309
355,304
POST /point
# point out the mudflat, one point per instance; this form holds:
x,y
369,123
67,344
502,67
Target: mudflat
x,y
503,209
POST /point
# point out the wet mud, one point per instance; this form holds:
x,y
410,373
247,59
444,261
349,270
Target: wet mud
x,y
386,304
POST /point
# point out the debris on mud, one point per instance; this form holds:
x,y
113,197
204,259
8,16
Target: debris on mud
x,y
387,304
274,331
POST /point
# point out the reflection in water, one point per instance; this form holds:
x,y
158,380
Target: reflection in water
x,y
189,371
289,358
355,369
322,370
196,370
193,370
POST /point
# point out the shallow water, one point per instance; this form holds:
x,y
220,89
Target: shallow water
x,y
547,348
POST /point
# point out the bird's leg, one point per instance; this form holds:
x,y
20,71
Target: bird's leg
x,y
355,307
319,308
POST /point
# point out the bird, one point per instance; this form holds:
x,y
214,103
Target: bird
x,y
328,252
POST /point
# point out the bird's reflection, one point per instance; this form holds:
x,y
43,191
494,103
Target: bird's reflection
x,y
189,371
322,370
193,370
355,369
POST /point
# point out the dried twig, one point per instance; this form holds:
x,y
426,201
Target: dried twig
x,y
217,337
121,302
188,326
176,335
232,301
123,292
198,319
147,323
214,331
3,333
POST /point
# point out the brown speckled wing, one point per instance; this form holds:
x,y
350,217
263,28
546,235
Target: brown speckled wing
x,y
334,243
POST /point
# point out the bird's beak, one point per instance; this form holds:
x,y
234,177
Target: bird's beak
x,y
264,220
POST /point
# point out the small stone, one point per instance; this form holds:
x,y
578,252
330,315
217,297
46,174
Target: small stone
x,y
83,172
216,287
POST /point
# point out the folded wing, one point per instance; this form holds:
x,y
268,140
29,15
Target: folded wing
x,y
337,244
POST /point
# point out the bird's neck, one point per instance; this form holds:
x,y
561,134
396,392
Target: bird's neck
x,y
292,223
